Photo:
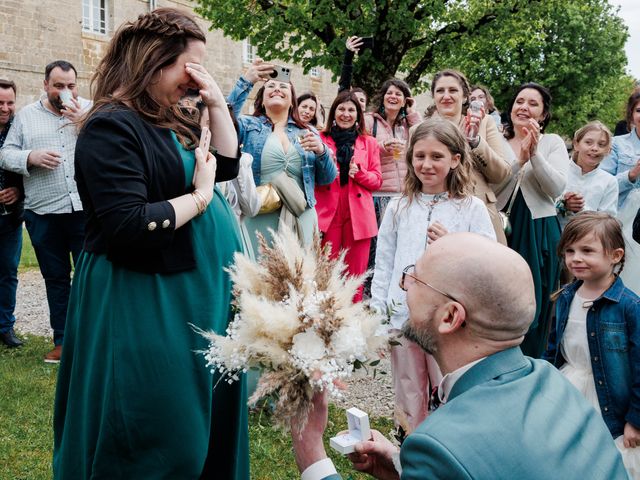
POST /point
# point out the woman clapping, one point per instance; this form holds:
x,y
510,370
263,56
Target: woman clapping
x,y
345,208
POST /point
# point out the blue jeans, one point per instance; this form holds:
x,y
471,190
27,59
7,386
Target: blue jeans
x,y
10,248
55,238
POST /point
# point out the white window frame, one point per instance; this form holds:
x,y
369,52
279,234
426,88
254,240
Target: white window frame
x,y
95,16
249,52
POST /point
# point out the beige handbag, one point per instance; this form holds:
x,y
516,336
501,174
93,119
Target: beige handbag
x,y
504,216
269,199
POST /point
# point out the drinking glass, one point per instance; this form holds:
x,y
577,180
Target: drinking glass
x,y
399,135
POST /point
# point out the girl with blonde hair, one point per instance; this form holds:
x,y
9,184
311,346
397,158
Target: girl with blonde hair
x,y
588,187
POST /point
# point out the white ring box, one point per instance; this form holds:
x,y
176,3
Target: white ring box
x,y
359,431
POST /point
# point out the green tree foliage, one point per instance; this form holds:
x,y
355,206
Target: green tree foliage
x,y
574,47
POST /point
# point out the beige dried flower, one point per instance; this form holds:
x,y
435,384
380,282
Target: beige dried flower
x,y
297,321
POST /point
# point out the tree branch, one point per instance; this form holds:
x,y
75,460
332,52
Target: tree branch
x,y
457,29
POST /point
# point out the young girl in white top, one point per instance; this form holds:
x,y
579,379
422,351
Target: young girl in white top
x,y
589,187
437,200
595,340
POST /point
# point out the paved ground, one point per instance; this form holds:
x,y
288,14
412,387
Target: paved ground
x,y
373,395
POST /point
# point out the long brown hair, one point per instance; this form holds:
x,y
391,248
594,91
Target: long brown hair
x,y
459,180
462,81
343,97
378,99
259,110
490,103
509,129
137,52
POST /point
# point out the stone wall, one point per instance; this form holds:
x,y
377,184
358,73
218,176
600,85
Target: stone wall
x,y
36,32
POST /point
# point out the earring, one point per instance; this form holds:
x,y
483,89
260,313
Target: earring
x,y
357,126
334,123
382,110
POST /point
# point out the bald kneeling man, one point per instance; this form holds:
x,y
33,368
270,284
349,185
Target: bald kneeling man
x,y
503,415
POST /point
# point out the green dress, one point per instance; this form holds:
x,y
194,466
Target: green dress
x,y
135,399
275,160
536,241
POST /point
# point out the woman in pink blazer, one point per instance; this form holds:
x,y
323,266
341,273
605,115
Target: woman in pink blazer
x,y
346,216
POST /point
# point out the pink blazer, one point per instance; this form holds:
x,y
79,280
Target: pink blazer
x,y
363,217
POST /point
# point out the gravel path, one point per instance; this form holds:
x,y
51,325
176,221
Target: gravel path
x,y
373,395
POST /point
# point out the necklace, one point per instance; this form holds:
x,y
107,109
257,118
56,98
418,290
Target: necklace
x,y
431,205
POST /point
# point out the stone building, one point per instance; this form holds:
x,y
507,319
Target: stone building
x,y
36,32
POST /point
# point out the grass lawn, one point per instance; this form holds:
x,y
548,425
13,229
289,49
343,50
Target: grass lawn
x,y
28,258
26,413
27,387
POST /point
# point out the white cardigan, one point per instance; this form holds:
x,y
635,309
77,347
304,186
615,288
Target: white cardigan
x,y
544,180
403,239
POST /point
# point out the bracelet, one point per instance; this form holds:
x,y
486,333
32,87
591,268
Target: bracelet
x,y
201,201
198,204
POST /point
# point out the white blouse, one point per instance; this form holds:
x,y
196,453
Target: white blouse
x,y
402,239
598,188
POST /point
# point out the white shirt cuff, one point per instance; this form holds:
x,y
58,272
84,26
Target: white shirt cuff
x,y
395,458
319,470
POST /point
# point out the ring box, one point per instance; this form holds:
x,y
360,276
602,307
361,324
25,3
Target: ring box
x,y
359,431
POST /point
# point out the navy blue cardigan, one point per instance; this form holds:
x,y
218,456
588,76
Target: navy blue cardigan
x,y
126,170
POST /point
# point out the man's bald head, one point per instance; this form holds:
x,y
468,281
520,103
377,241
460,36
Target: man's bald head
x,y
493,283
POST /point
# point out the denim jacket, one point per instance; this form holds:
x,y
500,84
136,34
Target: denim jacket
x,y
625,152
252,136
239,95
613,334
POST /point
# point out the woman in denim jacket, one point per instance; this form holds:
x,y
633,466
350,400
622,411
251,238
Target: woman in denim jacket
x,y
280,142
624,163
596,337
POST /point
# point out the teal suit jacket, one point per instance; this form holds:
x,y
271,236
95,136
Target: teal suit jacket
x,y
511,417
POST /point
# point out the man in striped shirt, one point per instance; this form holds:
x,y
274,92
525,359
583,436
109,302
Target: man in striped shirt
x,y
40,146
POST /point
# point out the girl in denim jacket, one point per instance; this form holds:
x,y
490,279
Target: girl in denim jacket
x,y
595,340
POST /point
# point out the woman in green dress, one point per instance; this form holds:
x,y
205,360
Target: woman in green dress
x,y
134,398
539,169
283,147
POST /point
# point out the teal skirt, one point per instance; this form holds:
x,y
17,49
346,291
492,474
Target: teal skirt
x,y
536,241
135,398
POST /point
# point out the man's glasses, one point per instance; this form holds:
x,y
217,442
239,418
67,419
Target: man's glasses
x,y
409,272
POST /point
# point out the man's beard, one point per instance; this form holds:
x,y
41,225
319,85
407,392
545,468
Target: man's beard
x,y
423,338
56,102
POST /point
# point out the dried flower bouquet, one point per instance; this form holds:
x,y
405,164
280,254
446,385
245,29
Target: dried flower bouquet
x,y
296,321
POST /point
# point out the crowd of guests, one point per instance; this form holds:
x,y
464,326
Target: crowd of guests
x,y
154,185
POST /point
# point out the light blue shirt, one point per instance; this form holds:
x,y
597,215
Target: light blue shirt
x,y
625,154
34,128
